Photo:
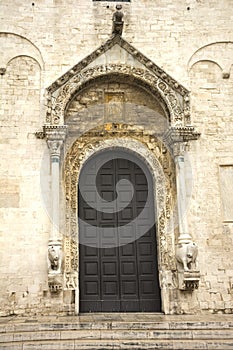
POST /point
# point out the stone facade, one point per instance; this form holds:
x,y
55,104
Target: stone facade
x,y
71,88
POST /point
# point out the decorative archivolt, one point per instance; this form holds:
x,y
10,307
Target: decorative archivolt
x,y
158,160
178,106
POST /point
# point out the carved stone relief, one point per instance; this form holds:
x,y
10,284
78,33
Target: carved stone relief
x,y
54,259
179,108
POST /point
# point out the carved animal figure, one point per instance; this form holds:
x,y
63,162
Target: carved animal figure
x,y
54,257
186,255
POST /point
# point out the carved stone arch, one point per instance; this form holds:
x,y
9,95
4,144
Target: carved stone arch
x,y
160,163
178,109
113,57
120,77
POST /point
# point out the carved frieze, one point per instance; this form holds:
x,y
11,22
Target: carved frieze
x,y
71,280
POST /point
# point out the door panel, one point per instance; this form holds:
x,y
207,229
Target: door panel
x,y
123,278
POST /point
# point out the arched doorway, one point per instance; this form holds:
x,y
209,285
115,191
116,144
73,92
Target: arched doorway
x,y
118,269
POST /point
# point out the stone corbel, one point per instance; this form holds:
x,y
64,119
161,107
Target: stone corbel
x,y
55,283
177,139
55,136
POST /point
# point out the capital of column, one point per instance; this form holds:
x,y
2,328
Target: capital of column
x,y
178,150
55,136
177,138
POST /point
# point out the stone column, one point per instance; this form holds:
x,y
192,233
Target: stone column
x,y
186,250
55,137
178,152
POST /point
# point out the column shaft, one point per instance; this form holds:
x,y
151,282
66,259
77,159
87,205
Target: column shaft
x,y
184,236
55,198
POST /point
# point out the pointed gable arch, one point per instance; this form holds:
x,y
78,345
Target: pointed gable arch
x,y
117,56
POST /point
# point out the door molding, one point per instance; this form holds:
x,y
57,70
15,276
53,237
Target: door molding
x,y
158,159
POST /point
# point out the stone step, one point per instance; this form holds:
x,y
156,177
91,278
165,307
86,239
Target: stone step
x,y
115,334
106,332
114,344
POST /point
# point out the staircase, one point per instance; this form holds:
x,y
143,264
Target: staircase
x,y
117,331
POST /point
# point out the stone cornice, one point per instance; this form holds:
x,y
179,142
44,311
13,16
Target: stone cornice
x,y
180,134
177,138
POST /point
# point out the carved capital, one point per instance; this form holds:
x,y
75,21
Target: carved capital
x,y
178,150
55,136
55,147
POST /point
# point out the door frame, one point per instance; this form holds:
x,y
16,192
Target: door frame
x,y
160,165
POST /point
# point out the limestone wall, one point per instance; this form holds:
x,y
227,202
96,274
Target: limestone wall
x,y
193,42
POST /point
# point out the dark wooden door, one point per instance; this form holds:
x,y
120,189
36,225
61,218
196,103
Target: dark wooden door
x,y
122,277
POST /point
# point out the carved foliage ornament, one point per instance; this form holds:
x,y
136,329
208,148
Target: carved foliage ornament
x,y
178,106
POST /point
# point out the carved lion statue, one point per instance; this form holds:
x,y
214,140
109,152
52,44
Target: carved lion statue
x,y
54,258
186,256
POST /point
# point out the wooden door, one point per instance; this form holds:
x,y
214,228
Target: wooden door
x,y
122,277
